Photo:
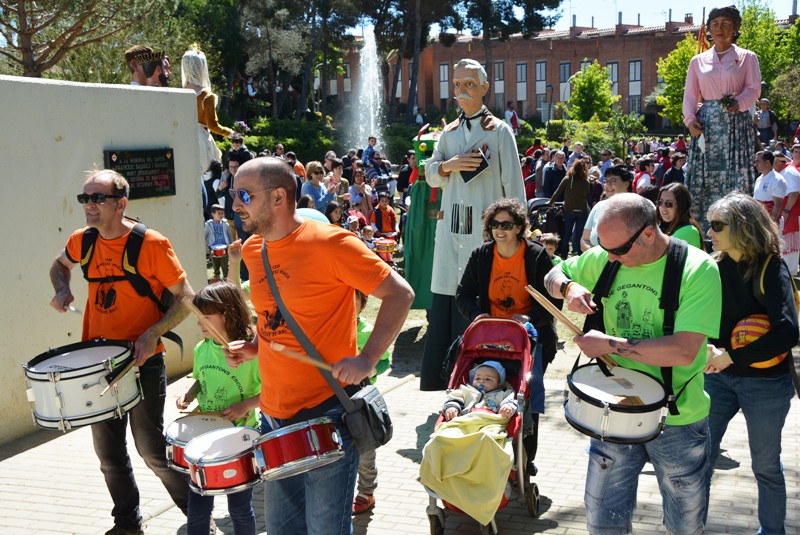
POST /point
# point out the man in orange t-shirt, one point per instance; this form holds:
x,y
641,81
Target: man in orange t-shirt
x,y
115,311
320,297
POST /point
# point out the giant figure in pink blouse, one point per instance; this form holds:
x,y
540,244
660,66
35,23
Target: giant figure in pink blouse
x,y
722,84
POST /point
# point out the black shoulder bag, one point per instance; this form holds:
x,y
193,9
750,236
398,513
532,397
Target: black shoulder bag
x,y
366,414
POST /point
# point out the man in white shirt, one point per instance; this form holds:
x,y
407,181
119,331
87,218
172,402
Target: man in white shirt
x,y
770,188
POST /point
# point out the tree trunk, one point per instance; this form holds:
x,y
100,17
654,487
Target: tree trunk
x,y
302,103
323,75
412,83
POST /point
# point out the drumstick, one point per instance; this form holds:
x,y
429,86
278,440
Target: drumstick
x,y
204,320
203,413
552,309
280,348
125,370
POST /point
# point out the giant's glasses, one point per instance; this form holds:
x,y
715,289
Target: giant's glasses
x,y
623,249
97,198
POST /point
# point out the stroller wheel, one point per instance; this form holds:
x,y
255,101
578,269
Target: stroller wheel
x,y
532,500
437,528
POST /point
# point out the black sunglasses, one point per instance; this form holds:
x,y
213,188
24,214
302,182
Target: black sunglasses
x,y
668,204
717,226
623,250
504,225
97,198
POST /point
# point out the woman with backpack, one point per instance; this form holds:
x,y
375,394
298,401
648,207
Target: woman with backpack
x,y
756,376
575,188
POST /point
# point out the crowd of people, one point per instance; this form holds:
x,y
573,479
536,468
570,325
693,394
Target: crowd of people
x,y
628,220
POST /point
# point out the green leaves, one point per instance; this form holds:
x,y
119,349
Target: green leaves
x,y
591,93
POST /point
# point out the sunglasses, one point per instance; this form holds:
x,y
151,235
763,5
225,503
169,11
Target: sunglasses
x,y
97,198
237,141
245,196
717,226
666,204
317,173
623,250
503,225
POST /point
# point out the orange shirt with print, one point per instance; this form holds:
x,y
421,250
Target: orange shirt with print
x,y
113,309
507,295
316,268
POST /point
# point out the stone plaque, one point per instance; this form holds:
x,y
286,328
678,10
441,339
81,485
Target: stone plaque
x,y
151,172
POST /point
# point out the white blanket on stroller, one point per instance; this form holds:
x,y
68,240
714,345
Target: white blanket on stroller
x,y
467,462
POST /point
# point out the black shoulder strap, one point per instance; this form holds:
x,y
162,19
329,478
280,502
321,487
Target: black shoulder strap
x,y
669,302
87,249
758,283
600,291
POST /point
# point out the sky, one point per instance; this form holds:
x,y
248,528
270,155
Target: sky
x,y
653,13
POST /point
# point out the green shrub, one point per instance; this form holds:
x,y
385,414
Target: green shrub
x,y
558,129
594,137
309,140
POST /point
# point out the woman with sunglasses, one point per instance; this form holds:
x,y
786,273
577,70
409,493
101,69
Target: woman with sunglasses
x,y
618,180
749,378
675,214
494,283
313,186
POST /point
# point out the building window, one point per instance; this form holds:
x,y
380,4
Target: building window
x,y
444,83
564,72
585,64
635,71
347,77
613,76
635,104
659,78
499,71
542,107
522,73
346,67
541,71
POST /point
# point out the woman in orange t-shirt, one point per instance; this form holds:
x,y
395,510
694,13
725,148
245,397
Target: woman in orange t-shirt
x,y
495,278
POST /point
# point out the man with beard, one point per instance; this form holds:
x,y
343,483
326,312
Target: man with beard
x,y
321,298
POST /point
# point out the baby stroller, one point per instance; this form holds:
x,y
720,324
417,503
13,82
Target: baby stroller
x,y
506,341
545,217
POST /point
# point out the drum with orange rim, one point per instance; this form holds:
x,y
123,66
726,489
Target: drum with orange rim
x,y
385,245
750,329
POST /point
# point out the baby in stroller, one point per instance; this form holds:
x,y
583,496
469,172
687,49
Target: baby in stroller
x,y
488,390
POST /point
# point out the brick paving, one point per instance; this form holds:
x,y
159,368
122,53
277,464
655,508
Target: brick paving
x,y
50,482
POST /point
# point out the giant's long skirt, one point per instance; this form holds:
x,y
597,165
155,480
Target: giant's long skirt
x,y
728,160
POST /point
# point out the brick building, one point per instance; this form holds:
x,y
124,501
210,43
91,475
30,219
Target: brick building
x,y
535,72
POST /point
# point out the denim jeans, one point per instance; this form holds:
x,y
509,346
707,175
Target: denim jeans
x,y
574,221
147,427
680,459
240,507
765,402
318,502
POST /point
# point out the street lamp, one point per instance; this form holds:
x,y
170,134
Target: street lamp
x,y
549,87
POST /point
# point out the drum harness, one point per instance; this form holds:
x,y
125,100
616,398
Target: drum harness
x,y
668,302
130,256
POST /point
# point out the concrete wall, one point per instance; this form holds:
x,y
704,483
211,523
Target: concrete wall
x,y
50,133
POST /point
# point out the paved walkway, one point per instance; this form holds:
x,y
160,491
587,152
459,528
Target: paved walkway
x,y
50,483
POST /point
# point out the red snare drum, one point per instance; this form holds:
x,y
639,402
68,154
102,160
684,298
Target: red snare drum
x,y
298,448
181,431
222,461
219,250
385,245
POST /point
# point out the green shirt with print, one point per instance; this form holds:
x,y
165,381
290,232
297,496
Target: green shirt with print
x,y
690,235
220,385
631,311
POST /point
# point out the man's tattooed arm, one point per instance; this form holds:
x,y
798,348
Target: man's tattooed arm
x,y
623,349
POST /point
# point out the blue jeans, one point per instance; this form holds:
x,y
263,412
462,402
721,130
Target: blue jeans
x,y
240,507
147,427
680,458
574,221
765,403
318,502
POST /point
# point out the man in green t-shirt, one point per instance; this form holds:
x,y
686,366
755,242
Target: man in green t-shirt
x,y
628,232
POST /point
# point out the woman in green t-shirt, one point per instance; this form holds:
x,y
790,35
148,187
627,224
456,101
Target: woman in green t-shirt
x,y
675,216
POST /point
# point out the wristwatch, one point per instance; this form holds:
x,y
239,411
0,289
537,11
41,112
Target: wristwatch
x,y
564,286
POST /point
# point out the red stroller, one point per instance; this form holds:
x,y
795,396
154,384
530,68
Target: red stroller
x,y
506,341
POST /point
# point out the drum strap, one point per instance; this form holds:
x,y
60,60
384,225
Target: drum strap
x,y
301,336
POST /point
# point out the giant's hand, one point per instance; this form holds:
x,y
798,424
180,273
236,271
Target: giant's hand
x,y
463,162
695,128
